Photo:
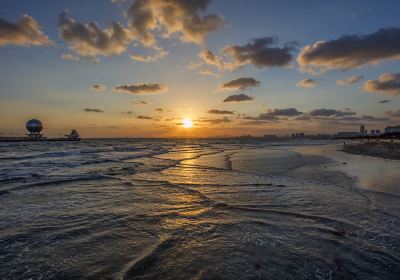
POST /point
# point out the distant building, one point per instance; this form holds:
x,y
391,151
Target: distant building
x,y
298,135
392,129
347,134
270,136
363,131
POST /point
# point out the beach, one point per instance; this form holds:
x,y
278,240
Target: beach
x,y
382,149
196,209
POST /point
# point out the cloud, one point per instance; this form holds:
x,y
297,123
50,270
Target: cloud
x,y
117,1
256,122
141,88
349,81
160,110
273,115
306,83
91,110
387,83
238,98
365,118
70,57
159,53
330,112
89,40
265,117
288,112
207,72
384,101
216,121
240,83
211,59
187,19
127,112
350,51
392,114
261,52
171,119
140,102
220,112
374,119
303,118
25,32
98,88
141,117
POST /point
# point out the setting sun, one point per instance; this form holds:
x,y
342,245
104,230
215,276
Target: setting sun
x,y
187,123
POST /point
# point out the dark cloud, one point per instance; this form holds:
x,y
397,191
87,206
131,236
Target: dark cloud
x,y
387,83
266,117
274,115
395,114
365,118
330,112
374,119
172,119
140,102
25,32
141,117
348,119
91,110
303,118
141,88
349,81
384,101
127,112
182,17
261,52
98,87
220,112
255,122
240,83
216,121
160,110
307,83
89,40
351,51
288,112
238,98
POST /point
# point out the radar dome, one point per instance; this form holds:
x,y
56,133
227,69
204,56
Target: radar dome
x,y
34,126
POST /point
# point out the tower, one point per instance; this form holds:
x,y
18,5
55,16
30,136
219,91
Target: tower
x,y
362,130
34,128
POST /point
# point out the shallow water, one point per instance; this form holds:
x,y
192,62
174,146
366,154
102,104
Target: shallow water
x,y
196,209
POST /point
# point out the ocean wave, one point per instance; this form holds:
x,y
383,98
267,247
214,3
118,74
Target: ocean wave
x,y
64,180
147,259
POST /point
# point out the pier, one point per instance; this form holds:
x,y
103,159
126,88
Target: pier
x,y
34,128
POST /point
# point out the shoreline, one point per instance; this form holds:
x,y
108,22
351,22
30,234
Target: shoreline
x,y
385,150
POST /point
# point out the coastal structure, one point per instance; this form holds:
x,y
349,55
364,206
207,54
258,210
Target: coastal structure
x,y
347,134
35,128
392,129
389,132
363,132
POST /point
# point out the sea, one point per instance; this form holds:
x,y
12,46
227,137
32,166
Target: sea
x,y
197,209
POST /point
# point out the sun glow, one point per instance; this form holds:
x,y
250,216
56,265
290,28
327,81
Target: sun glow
x,y
187,123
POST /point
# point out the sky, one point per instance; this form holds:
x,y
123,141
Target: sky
x,y
139,68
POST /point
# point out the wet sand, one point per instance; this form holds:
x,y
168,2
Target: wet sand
x,y
386,150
